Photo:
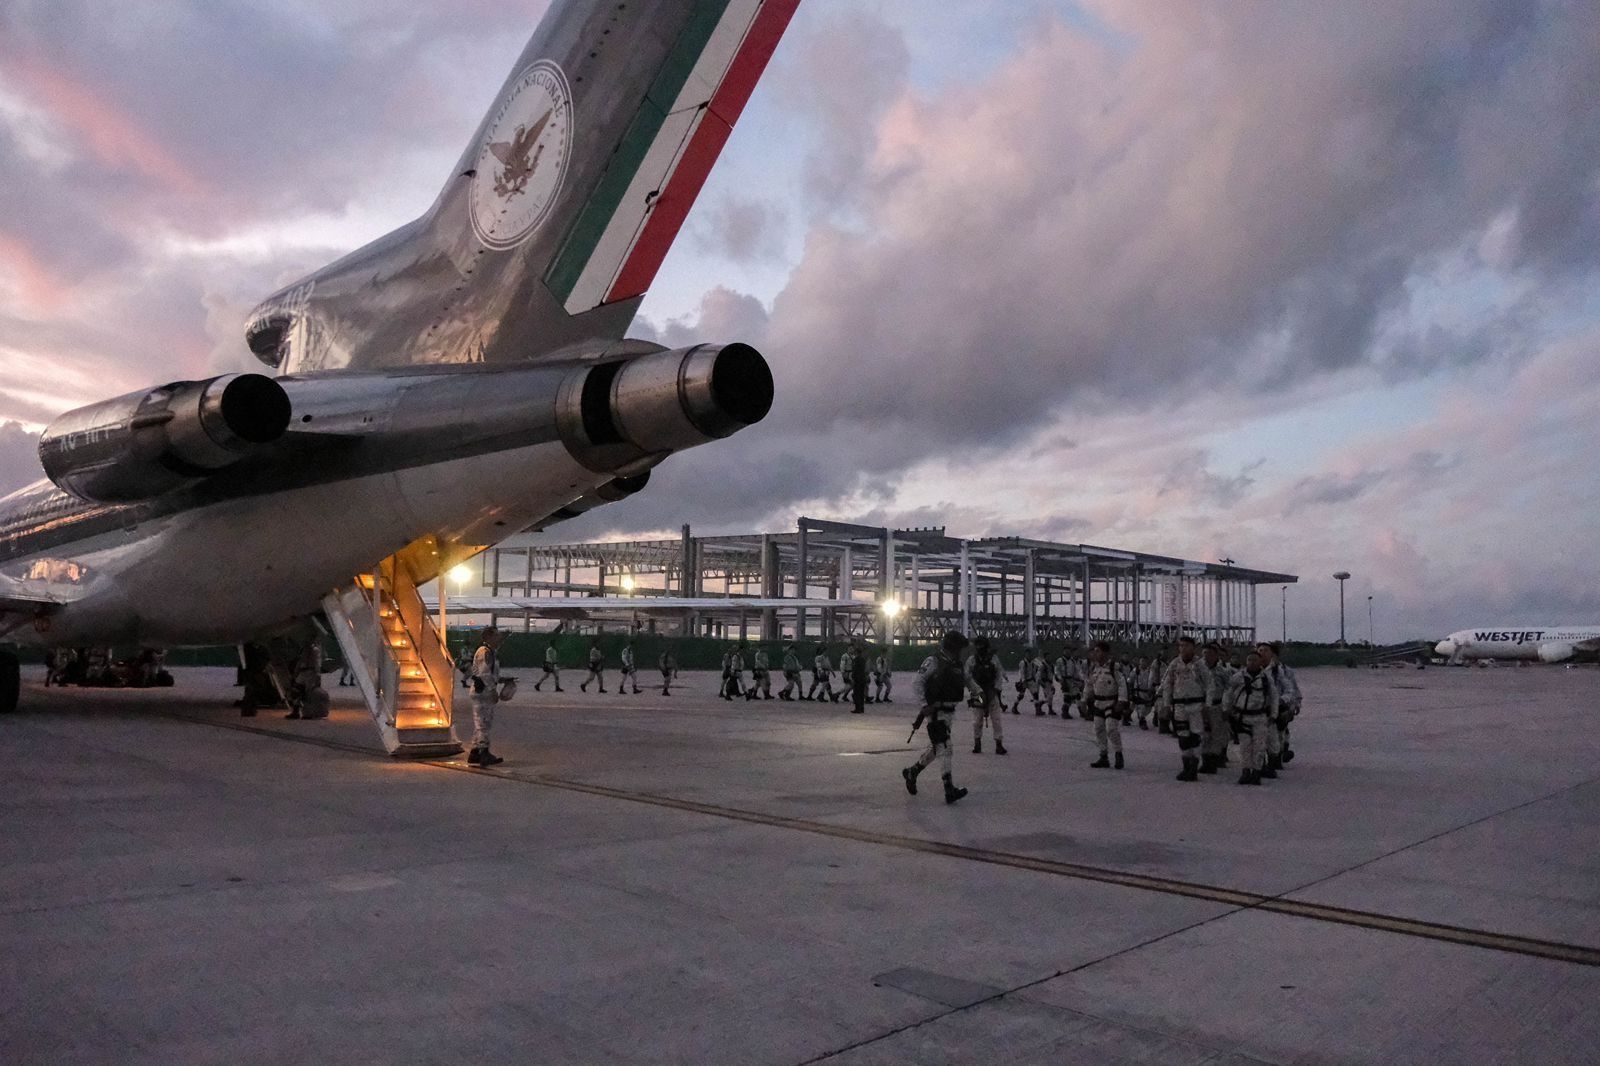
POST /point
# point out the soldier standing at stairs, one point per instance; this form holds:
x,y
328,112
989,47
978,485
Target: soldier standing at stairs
x,y
485,694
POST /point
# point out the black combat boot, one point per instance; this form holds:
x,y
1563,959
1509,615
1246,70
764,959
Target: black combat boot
x,y
1102,763
474,757
1143,724
1245,777
1271,771
977,747
1288,756
1208,764
999,748
1118,763
489,758
1190,771
951,792
910,774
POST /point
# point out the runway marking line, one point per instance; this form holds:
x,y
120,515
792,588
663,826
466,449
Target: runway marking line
x,y
1552,950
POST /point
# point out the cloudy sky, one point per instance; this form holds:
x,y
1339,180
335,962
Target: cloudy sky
x,y
1308,285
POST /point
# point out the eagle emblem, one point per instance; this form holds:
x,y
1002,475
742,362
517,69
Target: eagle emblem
x,y
519,158
521,162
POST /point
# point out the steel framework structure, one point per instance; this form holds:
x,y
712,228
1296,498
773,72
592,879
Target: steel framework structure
x,y
1010,588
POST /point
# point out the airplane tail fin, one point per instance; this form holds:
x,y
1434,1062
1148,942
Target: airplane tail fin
x,y
564,205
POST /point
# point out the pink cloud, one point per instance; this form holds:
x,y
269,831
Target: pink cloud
x,y
113,138
39,287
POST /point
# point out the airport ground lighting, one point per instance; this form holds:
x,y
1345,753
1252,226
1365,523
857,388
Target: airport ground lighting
x,y
1341,577
891,609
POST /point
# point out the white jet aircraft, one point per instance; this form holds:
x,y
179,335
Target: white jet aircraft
x,y
1545,644
448,385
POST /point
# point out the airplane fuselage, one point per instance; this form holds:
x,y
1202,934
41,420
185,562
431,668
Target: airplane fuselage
x,y
1551,644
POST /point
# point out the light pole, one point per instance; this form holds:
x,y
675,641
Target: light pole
x,y
1370,639
1341,577
1285,607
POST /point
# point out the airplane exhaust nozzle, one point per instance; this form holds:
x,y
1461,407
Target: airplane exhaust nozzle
x,y
629,415
141,445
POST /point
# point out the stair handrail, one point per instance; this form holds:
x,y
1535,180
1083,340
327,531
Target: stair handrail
x,y
437,665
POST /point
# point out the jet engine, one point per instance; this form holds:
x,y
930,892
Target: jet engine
x,y
625,416
1556,653
611,492
147,443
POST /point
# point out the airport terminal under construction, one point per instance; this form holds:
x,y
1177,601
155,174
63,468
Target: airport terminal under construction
x,y
835,580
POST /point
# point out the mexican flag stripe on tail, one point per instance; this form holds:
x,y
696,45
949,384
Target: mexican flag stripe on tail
x,y
636,211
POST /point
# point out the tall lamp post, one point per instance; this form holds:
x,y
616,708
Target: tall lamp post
x,y
1341,577
1285,607
1370,638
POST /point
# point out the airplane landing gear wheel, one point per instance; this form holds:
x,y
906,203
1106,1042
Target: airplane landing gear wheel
x,y
10,682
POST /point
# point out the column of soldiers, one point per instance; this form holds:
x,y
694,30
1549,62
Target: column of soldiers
x,y
1204,702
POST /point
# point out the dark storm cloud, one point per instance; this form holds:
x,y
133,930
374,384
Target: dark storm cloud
x,y
203,114
1242,198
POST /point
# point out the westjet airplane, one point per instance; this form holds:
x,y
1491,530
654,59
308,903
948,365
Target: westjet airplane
x,y
457,381
1545,644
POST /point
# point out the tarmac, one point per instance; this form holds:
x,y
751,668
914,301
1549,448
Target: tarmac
x,y
682,879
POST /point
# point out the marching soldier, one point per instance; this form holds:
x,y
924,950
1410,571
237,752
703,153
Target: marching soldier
x,y
597,666
791,676
1278,751
1144,689
1215,752
1106,699
985,678
1183,696
857,678
822,674
1252,700
847,660
1047,686
1027,681
760,676
552,668
630,672
668,667
733,670
1069,674
883,677
940,686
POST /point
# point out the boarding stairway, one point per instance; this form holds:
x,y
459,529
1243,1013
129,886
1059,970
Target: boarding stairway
x,y
1408,654
399,660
